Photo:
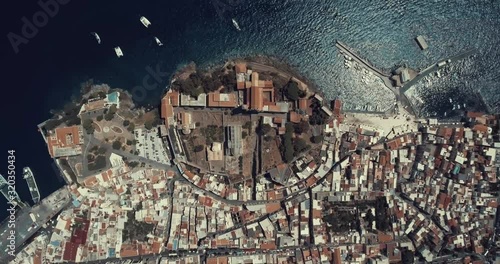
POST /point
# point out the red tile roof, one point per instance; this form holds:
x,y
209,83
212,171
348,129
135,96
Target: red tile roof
x,y
240,68
217,99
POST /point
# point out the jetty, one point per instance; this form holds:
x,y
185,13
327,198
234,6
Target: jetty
x,y
33,187
436,66
421,42
30,219
384,76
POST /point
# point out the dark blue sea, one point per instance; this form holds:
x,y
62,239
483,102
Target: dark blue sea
x,y
48,70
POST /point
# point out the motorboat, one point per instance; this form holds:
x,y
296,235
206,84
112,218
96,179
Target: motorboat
x,y
145,21
118,52
96,37
158,41
235,24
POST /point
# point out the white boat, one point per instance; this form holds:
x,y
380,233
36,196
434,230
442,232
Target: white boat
x,y
96,37
236,24
119,52
451,101
158,41
145,21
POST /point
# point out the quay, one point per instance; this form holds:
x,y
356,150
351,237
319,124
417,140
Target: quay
x,y
29,220
436,66
33,187
385,77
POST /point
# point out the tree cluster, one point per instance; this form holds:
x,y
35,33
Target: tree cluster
x,y
263,129
88,126
287,147
202,82
317,139
292,91
117,144
110,113
382,221
301,127
318,117
300,145
98,163
198,148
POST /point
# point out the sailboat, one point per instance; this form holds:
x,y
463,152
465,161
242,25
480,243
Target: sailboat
x,y
96,37
235,24
145,21
158,41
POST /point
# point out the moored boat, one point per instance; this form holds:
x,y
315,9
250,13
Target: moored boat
x,y
145,21
235,24
96,37
118,52
158,41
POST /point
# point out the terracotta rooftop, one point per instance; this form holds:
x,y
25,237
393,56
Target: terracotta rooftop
x,y
217,99
64,137
240,68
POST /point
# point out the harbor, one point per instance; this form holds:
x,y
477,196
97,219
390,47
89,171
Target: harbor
x,y
400,80
28,220
33,187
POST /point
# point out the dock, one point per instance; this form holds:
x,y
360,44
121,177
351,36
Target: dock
x,y
33,187
29,220
421,42
436,66
384,76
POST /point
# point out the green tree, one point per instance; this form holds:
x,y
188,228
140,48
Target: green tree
x,y
110,114
287,148
131,127
299,145
247,125
148,125
88,126
198,148
117,144
268,138
244,134
133,164
129,142
264,129
101,150
99,117
126,123
301,127
317,139
292,91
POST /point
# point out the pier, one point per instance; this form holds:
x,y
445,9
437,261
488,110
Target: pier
x,y
29,220
434,67
385,77
33,187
